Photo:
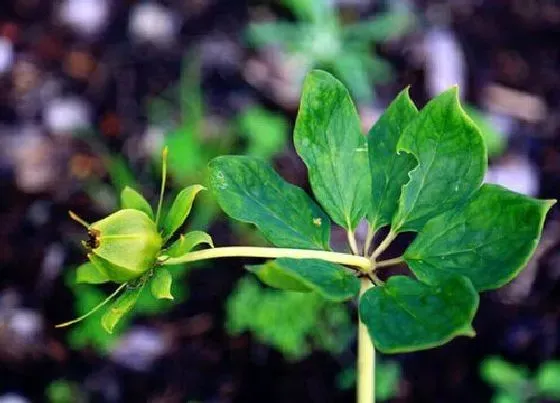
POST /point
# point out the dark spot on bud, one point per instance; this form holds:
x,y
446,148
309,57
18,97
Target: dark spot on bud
x,y
93,240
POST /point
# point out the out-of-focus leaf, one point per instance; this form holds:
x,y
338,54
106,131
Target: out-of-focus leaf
x,y
266,132
501,374
548,379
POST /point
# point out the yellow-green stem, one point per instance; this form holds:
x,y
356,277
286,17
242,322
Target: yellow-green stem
x,y
366,358
163,178
383,245
360,262
369,240
352,242
390,262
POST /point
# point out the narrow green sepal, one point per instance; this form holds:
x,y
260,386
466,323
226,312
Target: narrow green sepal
x,y
160,284
124,303
179,210
188,242
131,199
89,273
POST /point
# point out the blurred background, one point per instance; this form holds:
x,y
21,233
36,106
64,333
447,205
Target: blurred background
x,y
90,92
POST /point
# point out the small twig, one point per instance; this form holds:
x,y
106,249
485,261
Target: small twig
x,y
390,262
383,245
374,279
95,308
352,242
369,240
163,178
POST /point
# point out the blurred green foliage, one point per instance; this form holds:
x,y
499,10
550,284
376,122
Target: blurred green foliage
x,y
193,141
63,391
387,377
294,323
516,384
319,39
495,141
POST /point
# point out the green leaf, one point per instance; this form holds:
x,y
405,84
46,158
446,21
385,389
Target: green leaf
x,y
328,138
161,284
502,374
489,240
180,210
124,303
389,170
274,275
451,158
406,315
249,190
90,273
548,379
130,198
188,242
331,281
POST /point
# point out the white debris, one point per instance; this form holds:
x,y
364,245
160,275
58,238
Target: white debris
x,y
13,398
88,17
6,55
515,173
34,160
153,140
66,115
139,348
153,23
26,325
445,61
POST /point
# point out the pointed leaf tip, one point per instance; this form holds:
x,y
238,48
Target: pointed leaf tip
x,y
489,240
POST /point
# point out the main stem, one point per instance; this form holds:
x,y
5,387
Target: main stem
x,y
360,262
366,351
366,358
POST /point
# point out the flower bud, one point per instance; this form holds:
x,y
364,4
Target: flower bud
x,y
124,245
